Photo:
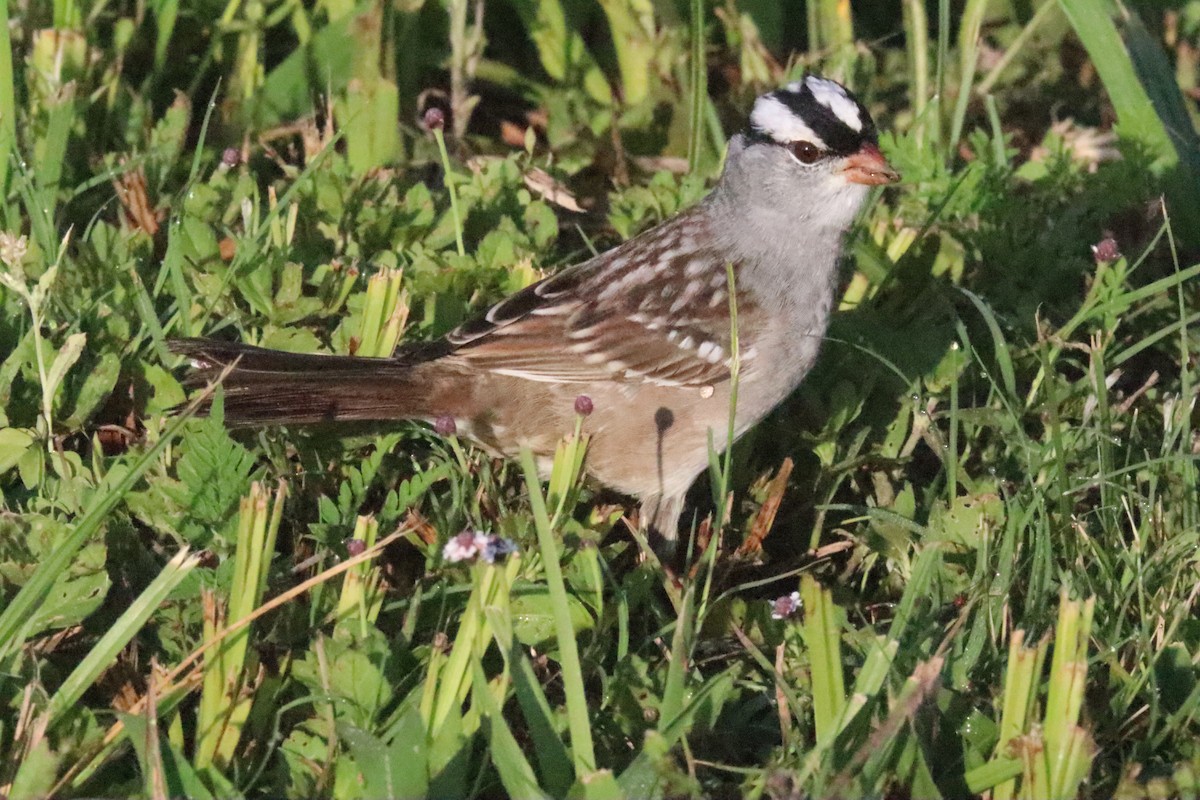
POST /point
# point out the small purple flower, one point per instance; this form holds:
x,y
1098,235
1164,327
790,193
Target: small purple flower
x,y
583,405
1106,251
498,548
463,547
231,157
355,546
445,425
470,545
434,119
786,606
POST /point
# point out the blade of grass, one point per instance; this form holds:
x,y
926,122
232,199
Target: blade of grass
x,y
102,654
1118,305
968,59
224,704
516,775
554,761
999,344
8,103
572,674
698,94
823,637
449,179
916,37
1043,13
926,568
952,454
939,99
185,676
721,471
991,774
119,481
673,691
1141,86
642,777
1021,681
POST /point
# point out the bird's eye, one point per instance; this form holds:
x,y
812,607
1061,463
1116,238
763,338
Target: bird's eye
x,y
806,152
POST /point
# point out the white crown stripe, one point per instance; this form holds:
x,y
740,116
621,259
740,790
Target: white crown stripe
x,y
775,119
834,97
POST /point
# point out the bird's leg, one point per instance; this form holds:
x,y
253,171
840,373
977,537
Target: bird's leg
x,y
659,518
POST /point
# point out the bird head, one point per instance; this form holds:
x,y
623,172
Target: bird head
x,y
810,152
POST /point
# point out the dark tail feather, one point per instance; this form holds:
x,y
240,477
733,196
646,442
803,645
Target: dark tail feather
x,y
265,387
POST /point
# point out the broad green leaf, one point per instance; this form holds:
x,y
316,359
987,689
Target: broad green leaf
x,y
533,615
387,770
25,541
13,444
598,785
561,48
35,774
64,360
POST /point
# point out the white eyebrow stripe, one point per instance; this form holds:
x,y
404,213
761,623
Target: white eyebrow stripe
x,y
775,119
834,97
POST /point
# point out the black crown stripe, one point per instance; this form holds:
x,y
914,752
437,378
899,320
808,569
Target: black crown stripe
x,y
839,138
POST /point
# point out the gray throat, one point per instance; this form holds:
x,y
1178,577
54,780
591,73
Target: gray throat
x,y
786,259
788,253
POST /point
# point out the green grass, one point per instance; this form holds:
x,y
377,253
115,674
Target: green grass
x,y
991,516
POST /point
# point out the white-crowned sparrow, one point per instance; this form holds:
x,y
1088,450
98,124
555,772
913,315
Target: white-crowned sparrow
x,y
643,330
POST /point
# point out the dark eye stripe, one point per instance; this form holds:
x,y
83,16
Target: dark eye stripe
x,y
839,137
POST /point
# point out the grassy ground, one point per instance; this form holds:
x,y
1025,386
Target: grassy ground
x,y
984,497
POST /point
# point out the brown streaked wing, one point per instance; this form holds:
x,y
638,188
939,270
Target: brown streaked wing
x,y
655,309
554,295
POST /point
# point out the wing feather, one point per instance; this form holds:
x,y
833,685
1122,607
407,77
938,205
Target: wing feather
x,y
653,310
